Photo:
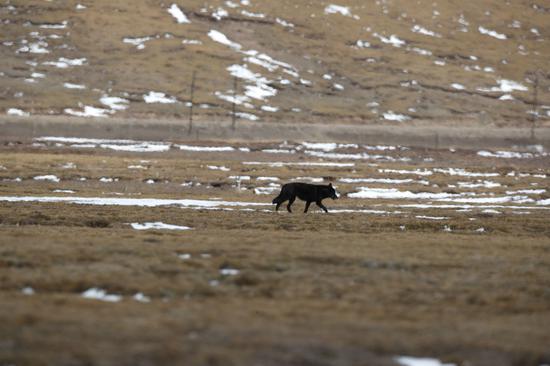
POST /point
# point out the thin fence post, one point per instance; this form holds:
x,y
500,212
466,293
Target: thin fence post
x,y
190,127
534,114
234,111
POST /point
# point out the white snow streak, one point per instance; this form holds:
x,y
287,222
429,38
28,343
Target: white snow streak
x,y
157,226
492,33
99,294
176,12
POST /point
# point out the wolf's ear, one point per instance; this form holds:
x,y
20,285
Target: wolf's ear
x,y
330,184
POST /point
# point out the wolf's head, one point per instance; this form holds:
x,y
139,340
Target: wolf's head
x,y
332,192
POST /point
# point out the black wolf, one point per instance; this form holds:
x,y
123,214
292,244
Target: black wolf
x,y
305,192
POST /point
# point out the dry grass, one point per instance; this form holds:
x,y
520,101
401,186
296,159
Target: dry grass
x,y
322,295
318,44
312,289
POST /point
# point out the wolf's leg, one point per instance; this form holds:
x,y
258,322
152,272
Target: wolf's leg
x,y
281,198
290,202
307,206
320,204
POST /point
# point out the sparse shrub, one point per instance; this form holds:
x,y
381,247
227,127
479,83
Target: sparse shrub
x,y
247,279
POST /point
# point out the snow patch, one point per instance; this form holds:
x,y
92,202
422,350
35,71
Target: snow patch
x,y
479,184
272,179
310,179
252,15
88,111
391,116
205,148
38,47
327,146
176,12
491,33
115,103
338,9
421,30
260,90
158,97
61,25
138,42
328,155
420,51
220,13
432,217
382,181
140,202
99,294
505,86
415,172
268,108
248,116
157,226
393,40
362,44
51,178
284,23
74,86
27,291
279,151
419,361
267,190
279,164
229,272
527,191
222,38
191,41
215,167
140,297
64,63
392,193
137,147
463,172
505,154
17,112
240,177
63,191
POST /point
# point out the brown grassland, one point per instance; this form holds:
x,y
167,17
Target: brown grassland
x,y
464,278
313,289
402,79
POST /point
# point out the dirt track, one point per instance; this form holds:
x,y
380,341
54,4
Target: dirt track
x,y
425,135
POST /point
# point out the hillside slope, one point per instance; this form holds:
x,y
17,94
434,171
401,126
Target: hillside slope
x,y
352,61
